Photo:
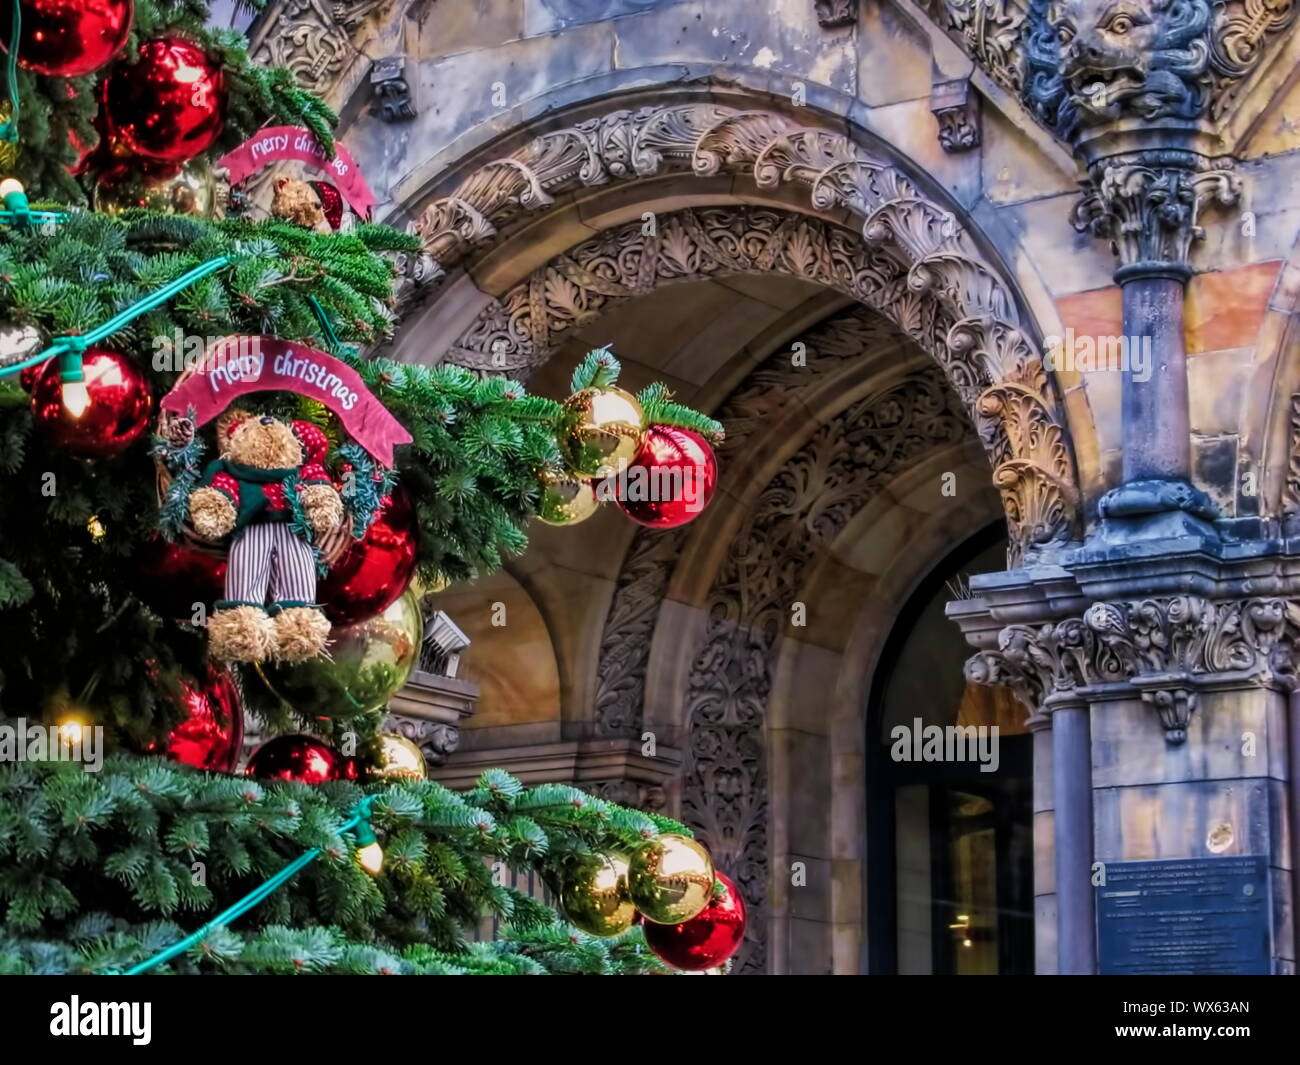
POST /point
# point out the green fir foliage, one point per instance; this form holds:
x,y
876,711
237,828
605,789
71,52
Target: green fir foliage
x,y
100,871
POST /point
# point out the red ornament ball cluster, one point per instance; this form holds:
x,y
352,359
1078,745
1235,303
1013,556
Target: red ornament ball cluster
x,y
301,759
708,939
166,107
67,38
671,479
116,416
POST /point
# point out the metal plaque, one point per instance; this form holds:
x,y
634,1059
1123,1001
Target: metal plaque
x,y
1185,915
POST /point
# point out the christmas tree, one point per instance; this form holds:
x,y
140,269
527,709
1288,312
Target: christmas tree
x,y
128,843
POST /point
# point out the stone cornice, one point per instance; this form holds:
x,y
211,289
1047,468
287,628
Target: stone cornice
x,y
1164,648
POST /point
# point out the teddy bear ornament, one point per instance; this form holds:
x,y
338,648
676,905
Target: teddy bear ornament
x,y
270,489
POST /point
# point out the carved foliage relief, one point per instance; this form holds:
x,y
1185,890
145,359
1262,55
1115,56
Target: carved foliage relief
x,y
805,506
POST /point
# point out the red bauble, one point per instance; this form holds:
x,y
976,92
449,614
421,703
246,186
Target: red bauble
x,y
118,412
213,730
670,481
67,38
169,106
300,758
374,571
173,577
331,202
707,939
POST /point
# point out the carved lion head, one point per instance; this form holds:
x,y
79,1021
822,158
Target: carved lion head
x,y
1143,58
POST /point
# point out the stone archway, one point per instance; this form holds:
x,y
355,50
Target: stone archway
x,y
911,259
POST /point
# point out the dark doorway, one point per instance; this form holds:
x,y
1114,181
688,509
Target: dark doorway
x,y
949,794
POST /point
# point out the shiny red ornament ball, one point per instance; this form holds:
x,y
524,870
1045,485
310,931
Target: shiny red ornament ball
x,y
67,38
172,577
116,416
302,759
374,571
212,732
670,481
331,202
708,939
168,106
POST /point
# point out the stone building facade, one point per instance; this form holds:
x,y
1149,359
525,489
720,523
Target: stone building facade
x,y
996,299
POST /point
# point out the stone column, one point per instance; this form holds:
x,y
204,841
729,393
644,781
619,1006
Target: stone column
x,y
1146,203
1076,949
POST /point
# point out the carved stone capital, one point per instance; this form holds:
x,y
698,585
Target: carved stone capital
x,y
832,13
956,107
1147,205
393,100
1165,648
637,794
435,739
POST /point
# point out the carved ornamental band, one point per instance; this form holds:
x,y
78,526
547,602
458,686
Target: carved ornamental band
x,y
1166,648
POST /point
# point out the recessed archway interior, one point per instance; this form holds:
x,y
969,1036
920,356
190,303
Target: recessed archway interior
x,y
832,498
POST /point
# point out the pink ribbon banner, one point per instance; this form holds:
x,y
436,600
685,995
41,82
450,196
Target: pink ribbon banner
x,y
280,143
237,365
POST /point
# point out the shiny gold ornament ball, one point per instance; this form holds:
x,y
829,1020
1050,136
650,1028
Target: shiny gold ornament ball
x,y
566,499
595,899
670,879
191,192
399,759
602,429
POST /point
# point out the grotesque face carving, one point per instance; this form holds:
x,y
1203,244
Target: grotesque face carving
x,y
1146,58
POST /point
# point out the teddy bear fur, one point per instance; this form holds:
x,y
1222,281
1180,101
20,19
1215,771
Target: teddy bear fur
x,y
249,633
297,202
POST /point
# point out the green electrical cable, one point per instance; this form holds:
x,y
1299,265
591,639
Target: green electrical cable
x,y
9,128
123,318
360,816
336,345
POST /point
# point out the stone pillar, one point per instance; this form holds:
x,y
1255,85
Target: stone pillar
x,y
1076,951
1146,203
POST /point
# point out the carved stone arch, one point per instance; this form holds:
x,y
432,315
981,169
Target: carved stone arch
x,y
911,258
988,362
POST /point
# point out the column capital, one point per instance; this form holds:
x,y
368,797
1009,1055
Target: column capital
x,y
1164,649
1147,204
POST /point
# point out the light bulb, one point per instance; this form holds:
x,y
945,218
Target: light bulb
x,y
76,397
69,731
10,185
96,528
371,858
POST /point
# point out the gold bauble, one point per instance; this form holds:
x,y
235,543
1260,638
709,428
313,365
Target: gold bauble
x,y
364,665
602,430
595,898
399,759
566,499
191,192
670,879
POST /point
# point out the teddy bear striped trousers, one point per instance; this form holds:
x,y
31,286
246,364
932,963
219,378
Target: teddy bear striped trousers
x,y
270,563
